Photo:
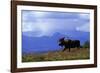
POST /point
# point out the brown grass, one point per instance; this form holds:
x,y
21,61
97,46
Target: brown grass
x,y
74,54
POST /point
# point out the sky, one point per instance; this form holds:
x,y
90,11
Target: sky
x,y
46,23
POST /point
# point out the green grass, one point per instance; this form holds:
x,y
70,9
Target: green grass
x,y
74,54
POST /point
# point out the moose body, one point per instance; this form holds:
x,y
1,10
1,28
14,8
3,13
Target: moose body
x,y
67,44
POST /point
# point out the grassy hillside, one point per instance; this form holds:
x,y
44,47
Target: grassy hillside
x,y
75,54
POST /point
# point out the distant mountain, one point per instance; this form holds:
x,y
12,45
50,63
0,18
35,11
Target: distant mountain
x,y
45,43
79,35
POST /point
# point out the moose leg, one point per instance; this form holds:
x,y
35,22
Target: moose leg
x,y
69,49
64,49
78,47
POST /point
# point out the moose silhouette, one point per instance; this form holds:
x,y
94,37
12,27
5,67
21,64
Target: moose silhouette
x,y
67,44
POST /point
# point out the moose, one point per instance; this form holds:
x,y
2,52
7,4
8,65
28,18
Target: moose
x,y
68,43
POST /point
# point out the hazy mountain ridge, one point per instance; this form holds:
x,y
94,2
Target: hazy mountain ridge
x,y
45,43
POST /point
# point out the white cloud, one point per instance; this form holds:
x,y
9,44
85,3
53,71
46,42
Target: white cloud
x,y
84,28
84,16
26,27
49,26
40,25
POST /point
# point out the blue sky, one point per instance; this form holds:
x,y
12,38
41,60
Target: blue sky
x,y
43,23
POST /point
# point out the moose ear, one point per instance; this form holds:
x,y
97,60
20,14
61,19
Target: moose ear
x,y
63,37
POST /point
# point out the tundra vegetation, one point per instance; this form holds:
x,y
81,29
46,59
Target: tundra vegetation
x,y
75,53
